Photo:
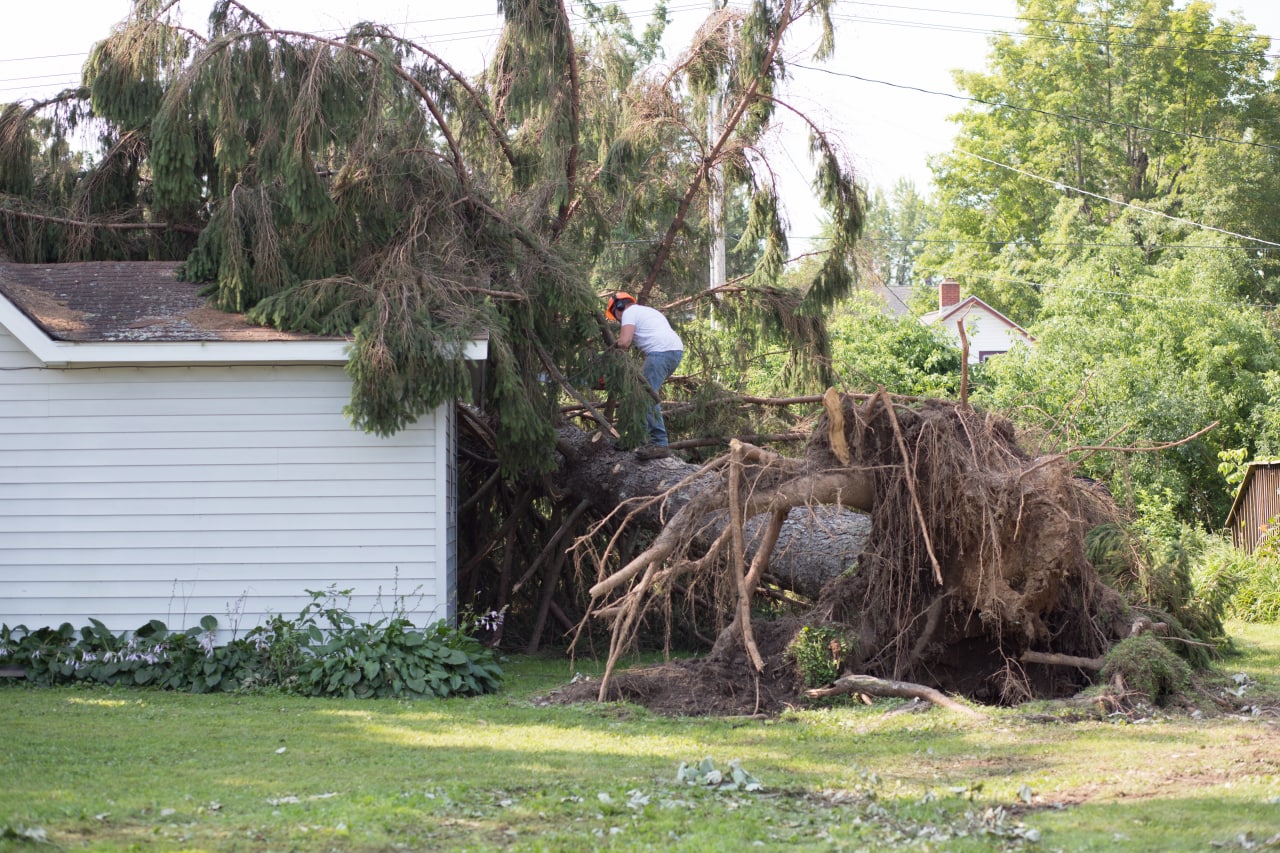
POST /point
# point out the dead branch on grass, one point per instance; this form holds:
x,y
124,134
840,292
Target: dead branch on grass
x,y
871,686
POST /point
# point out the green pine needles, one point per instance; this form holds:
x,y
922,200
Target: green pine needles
x,y
361,187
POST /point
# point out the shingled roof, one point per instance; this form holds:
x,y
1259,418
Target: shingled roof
x,y
108,301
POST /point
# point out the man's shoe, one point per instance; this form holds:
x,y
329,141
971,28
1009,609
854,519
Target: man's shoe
x,y
653,451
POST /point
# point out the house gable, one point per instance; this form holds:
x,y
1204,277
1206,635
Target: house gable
x,y
988,331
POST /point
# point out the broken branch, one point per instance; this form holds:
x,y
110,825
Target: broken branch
x,y
873,686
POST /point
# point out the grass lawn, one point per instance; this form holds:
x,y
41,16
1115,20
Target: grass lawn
x,y
140,770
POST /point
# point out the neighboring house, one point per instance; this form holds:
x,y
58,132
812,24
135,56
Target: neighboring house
x,y
896,297
1257,505
160,459
988,331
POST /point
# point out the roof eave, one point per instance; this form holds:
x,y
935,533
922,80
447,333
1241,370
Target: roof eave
x,y
55,353
1244,486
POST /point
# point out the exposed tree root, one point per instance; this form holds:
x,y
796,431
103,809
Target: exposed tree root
x,y
976,553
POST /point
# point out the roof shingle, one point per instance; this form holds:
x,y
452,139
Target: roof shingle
x,y
110,301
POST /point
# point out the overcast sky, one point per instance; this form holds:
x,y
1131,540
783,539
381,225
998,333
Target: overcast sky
x,y
887,125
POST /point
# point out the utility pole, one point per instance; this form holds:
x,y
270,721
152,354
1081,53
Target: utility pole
x,y
715,176
715,201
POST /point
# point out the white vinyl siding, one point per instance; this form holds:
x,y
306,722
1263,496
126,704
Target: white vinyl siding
x,y
987,334
133,493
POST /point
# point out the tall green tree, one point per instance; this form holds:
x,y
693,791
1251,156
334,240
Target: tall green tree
x,y
1129,353
896,225
1104,104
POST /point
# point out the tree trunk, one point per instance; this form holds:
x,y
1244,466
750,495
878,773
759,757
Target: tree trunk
x,y
815,545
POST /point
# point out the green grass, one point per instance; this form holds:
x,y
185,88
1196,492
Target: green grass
x,y
123,770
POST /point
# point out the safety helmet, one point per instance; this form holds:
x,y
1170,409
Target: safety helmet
x,y
613,312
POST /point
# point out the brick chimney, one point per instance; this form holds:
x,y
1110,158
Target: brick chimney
x,y
948,293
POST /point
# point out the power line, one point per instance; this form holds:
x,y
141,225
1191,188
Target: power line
x,y
1064,39
699,7
1051,114
1062,186
1062,21
34,58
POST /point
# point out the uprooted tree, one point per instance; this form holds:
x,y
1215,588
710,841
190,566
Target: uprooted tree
x,y
361,186
973,577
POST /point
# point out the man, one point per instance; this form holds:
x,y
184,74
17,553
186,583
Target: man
x,y
647,329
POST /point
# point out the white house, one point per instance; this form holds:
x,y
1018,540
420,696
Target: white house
x,y
987,331
160,459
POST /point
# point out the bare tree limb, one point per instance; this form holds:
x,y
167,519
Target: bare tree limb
x,y
742,618
107,226
1053,659
873,686
835,426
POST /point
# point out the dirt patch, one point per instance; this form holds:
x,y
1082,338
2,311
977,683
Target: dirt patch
x,y
710,686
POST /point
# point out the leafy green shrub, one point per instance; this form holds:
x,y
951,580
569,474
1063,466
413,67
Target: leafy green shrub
x,y
1257,592
1148,667
1172,570
344,658
391,658
94,654
819,652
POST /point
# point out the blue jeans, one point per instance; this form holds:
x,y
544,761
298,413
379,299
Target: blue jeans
x,y
658,367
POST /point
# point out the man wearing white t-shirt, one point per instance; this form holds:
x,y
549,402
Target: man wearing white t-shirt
x,y
649,330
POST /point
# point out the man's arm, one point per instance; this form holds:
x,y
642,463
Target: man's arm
x,y
625,336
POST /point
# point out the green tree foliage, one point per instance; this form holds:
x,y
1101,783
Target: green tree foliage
x,y
896,224
1094,106
361,186
872,349
1113,189
1130,353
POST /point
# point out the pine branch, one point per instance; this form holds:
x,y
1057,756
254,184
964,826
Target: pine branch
x,y
714,153
498,136
456,162
187,31
77,92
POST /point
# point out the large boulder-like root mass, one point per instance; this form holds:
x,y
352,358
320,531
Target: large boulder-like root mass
x,y
975,556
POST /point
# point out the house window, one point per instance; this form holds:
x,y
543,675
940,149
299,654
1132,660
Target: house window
x,y
985,354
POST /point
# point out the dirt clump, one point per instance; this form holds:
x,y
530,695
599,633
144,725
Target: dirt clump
x,y
720,684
